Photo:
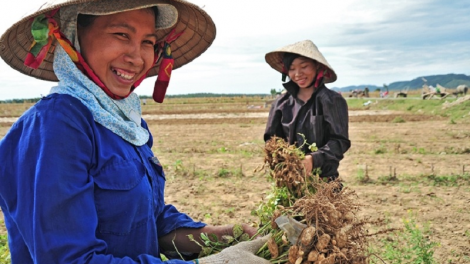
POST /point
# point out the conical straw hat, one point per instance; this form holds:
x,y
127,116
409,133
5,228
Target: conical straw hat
x,y
304,48
199,31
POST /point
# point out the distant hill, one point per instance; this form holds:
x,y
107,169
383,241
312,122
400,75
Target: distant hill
x,y
354,87
450,80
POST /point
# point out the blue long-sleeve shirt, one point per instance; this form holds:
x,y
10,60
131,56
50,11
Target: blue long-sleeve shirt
x,y
74,192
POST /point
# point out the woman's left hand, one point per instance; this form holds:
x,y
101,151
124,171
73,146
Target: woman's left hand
x,y
308,163
228,230
179,237
251,231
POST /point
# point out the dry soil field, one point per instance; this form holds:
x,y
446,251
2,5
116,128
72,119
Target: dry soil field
x,y
418,165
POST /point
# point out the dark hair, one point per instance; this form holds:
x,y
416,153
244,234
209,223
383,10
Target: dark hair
x,y
84,20
155,12
288,59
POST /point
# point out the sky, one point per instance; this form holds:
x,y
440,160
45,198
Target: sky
x,y
367,42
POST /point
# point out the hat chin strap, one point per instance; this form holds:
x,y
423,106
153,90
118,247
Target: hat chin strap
x,y
44,29
164,72
318,79
321,74
166,67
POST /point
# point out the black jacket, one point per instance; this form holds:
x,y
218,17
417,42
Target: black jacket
x,y
323,120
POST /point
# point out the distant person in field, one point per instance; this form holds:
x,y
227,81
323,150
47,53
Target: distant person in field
x,y
78,180
309,111
366,92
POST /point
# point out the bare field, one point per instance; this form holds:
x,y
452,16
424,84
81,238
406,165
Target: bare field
x,y
211,162
210,153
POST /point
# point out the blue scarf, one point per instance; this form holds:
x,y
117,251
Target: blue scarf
x,y
123,117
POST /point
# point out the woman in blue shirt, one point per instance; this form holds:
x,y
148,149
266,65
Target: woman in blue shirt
x,y
79,182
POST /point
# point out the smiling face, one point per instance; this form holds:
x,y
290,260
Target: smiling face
x,y
303,71
119,48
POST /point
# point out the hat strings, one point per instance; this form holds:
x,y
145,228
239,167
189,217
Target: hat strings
x,y
166,66
44,29
322,73
319,78
284,72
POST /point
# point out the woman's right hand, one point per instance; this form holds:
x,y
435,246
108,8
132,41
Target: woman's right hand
x,y
243,252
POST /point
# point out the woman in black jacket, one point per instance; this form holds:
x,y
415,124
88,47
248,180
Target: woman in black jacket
x,y
309,111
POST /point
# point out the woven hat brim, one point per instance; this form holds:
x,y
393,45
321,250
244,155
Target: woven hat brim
x,y
167,17
199,33
304,48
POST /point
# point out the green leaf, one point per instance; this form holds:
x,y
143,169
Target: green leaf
x,y
228,239
244,237
213,238
205,251
237,231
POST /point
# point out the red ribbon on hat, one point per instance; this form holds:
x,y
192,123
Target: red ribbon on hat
x,y
322,72
166,67
45,27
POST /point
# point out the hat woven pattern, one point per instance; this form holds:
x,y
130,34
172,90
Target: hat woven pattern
x,y
166,18
304,48
198,27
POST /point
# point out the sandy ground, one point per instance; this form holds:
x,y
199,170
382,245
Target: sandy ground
x,y
210,165
410,151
